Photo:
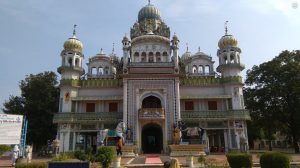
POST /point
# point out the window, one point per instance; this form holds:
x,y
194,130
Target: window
x,y
94,71
212,105
113,107
189,105
90,107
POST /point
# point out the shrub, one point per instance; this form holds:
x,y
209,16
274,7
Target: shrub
x,y
80,155
4,148
105,156
32,165
274,160
239,160
201,159
61,157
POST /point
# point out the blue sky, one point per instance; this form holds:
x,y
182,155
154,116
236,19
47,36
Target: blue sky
x,y
32,32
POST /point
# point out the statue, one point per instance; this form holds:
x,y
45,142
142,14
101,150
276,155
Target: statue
x,y
120,129
128,133
177,135
29,153
15,154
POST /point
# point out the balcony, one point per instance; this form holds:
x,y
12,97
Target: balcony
x,y
152,113
215,115
71,117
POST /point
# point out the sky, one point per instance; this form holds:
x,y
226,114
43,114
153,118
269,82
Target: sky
x,y
32,32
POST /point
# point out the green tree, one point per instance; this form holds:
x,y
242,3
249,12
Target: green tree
x,y
38,102
273,95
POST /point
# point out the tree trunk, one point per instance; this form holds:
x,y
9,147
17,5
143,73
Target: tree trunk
x,y
295,143
270,145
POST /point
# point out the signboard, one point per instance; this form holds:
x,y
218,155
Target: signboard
x,y
69,164
10,128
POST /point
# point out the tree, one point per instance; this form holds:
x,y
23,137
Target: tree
x,y
38,102
273,95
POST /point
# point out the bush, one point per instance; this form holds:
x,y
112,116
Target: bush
x,y
32,165
105,155
80,155
274,160
61,157
239,160
4,148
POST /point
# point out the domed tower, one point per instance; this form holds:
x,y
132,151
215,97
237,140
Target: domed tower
x,y
230,67
70,69
150,37
229,55
71,56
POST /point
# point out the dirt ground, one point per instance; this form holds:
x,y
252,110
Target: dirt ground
x,y
5,161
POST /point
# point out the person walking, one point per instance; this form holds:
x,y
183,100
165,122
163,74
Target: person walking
x,y
119,146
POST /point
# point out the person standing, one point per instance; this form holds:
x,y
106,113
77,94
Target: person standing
x,y
15,155
119,146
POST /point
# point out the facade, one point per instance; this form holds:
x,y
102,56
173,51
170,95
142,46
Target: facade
x,y
151,88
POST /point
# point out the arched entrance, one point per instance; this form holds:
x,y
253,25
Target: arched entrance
x,y
152,138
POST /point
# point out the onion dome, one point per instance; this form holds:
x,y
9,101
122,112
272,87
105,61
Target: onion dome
x,y
227,40
125,39
187,54
73,43
149,12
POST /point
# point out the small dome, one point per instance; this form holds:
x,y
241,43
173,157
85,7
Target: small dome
x,y
125,38
227,41
175,38
149,12
186,55
73,44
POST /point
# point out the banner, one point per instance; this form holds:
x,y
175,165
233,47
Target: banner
x,y
10,128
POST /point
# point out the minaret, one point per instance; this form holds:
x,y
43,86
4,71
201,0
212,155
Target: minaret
x,y
70,70
126,50
229,55
72,57
175,47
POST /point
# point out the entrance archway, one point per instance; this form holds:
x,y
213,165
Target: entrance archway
x,y
152,138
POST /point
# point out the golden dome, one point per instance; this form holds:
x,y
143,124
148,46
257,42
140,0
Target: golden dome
x,y
73,44
227,41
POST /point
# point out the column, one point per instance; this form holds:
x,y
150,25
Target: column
x,y
177,99
226,140
125,101
137,129
228,57
165,129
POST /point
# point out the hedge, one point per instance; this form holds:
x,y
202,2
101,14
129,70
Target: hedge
x,y
239,160
32,165
274,160
4,148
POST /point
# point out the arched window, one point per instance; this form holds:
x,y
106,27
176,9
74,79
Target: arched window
x,y
165,53
207,69
225,59
194,69
70,60
94,71
100,70
157,55
201,69
232,58
151,102
77,62
106,70
136,56
151,58
143,59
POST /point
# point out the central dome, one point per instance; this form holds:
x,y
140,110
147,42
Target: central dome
x,y
149,12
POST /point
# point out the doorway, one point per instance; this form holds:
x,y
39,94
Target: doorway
x,y
152,138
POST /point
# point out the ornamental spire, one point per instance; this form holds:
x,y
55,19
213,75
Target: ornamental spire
x,y
113,49
226,29
74,29
149,2
187,47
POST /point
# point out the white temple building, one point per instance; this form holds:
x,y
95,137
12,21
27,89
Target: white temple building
x,y
152,89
